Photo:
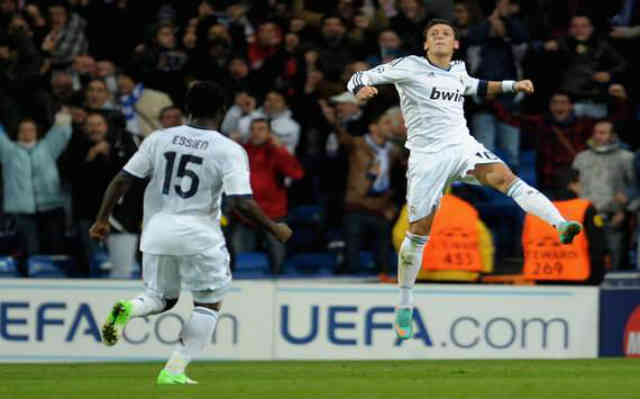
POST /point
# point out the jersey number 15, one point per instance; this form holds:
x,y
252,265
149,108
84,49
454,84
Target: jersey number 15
x,y
183,172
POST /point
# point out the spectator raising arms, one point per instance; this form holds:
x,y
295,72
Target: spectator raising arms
x,y
32,193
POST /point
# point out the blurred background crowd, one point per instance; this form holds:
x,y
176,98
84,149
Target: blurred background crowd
x,y
83,82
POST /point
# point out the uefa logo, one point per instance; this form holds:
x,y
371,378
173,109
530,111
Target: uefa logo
x,y
631,343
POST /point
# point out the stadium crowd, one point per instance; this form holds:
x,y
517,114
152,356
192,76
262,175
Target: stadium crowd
x,y
83,82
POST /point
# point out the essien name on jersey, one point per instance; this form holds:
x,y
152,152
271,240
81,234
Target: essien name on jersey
x,y
190,168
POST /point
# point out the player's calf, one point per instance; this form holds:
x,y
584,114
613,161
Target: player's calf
x,y
409,263
500,177
194,336
123,310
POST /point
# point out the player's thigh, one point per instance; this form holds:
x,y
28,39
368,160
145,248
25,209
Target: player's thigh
x,y
480,166
427,176
161,275
207,275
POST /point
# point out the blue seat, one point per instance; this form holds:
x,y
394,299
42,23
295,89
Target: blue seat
x,y
100,266
528,158
305,214
311,263
49,266
528,167
8,267
251,274
304,238
251,262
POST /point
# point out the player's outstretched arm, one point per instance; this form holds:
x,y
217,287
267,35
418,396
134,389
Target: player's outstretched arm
x,y
361,83
246,206
118,187
509,86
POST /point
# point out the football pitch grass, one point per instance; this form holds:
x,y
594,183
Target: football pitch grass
x,y
594,378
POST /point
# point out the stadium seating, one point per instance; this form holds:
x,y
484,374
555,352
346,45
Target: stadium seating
x,y
306,222
313,264
99,265
8,267
251,265
528,167
49,266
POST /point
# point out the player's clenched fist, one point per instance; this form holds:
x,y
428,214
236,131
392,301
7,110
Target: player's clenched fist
x,y
282,232
366,93
525,86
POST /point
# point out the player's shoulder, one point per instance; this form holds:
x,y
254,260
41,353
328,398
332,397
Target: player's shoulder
x,y
163,134
227,148
458,65
409,60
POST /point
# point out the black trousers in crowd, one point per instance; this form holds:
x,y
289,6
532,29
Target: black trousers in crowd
x,y
40,233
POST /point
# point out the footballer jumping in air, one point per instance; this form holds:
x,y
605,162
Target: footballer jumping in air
x,y
432,90
190,166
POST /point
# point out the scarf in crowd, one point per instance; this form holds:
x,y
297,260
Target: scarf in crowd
x,y
128,104
382,154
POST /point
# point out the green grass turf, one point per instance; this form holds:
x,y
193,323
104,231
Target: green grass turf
x,y
344,379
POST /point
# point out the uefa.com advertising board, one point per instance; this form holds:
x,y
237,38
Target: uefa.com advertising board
x,y
59,320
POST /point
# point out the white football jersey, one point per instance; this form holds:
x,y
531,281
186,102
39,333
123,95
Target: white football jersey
x,y
189,168
431,99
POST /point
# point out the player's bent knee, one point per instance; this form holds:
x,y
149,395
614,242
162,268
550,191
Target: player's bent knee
x,y
169,303
501,179
421,227
213,306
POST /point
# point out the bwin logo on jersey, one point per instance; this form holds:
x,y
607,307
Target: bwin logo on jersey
x,y
446,95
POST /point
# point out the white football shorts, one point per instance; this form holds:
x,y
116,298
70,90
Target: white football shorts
x,y
429,172
206,275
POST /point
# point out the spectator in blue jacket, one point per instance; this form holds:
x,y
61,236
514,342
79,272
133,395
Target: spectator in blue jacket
x,y
31,184
494,39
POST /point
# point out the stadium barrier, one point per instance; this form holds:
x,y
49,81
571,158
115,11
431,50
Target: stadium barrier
x,y
59,320
620,321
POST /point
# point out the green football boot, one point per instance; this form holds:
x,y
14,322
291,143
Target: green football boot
x,y
116,321
404,323
568,230
166,378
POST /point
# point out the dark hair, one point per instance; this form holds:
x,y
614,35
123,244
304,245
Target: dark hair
x,y
132,71
440,21
168,108
280,93
583,14
204,99
564,177
28,119
259,120
100,114
473,8
59,3
330,16
96,80
562,92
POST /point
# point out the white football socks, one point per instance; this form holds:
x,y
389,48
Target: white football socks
x,y
533,201
409,263
145,305
195,335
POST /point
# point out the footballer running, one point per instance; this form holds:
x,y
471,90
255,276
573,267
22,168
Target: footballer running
x,y
189,167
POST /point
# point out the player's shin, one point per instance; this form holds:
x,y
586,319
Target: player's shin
x,y
145,305
533,201
196,333
409,263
